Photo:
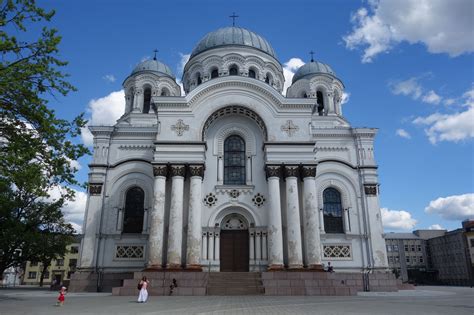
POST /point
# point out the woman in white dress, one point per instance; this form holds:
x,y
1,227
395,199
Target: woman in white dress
x,y
143,295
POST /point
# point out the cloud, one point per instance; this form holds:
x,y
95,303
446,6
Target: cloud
x,y
442,26
397,219
104,111
431,98
457,207
345,97
409,87
449,101
109,78
403,133
73,210
289,69
182,62
436,227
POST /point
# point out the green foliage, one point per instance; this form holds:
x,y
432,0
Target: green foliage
x,y
36,147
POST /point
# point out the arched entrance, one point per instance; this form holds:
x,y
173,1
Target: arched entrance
x,y
234,243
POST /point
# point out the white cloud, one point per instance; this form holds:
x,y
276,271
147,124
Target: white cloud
x,y
436,227
182,62
109,78
397,219
104,111
73,210
345,97
403,133
449,101
409,87
289,69
443,26
457,207
448,127
431,98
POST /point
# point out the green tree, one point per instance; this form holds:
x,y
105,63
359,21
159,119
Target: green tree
x,y
36,147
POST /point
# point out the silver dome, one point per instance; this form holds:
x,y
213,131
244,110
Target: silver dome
x,y
311,68
153,65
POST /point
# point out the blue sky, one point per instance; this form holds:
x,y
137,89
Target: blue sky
x,y
407,67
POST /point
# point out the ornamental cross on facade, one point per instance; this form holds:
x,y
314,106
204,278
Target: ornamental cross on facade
x,y
290,128
180,127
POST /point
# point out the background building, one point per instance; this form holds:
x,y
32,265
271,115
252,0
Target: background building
x,y
59,270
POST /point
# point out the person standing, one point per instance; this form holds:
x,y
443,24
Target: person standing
x,y
143,295
62,293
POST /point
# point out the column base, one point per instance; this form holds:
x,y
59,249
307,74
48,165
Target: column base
x,y
193,267
174,267
316,267
276,267
295,267
154,268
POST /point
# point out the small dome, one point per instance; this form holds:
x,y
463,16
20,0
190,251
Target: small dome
x,y
153,65
311,68
233,36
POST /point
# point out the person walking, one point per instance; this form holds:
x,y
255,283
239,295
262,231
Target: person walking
x,y
143,295
62,293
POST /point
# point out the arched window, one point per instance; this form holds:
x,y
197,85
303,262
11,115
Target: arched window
x,y
165,92
132,98
233,70
305,95
134,210
234,161
320,101
268,79
214,73
146,100
252,73
332,211
198,78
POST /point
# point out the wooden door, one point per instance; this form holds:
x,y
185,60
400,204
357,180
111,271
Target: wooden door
x,y
234,250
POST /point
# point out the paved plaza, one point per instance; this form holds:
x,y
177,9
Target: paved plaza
x,y
423,300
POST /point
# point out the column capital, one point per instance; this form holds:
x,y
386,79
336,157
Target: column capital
x,y
291,171
95,189
178,170
370,189
273,171
160,170
308,171
196,170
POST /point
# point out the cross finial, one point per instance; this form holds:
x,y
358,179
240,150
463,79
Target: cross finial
x,y
312,53
233,16
155,51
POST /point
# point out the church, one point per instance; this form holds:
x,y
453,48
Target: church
x,y
236,175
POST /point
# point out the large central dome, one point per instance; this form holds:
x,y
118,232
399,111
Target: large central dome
x,y
233,36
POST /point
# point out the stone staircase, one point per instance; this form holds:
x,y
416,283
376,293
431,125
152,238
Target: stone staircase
x,y
235,283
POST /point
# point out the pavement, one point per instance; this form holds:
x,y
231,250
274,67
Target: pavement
x,y
423,300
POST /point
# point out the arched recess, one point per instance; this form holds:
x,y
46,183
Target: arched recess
x,y
217,217
235,129
234,110
340,186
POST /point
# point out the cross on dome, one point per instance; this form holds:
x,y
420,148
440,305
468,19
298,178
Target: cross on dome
x,y
155,51
312,55
233,16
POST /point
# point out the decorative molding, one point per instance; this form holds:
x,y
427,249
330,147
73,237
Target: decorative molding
x,y
235,129
160,170
308,171
136,147
273,171
95,189
258,200
178,170
234,222
129,252
290,128
370,189
227,189
180,127
291,171
210,199
337,252
234,193
196,170
319,148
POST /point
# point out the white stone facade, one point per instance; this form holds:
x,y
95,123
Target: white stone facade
x,y
173,149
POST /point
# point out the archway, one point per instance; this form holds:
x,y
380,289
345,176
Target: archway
x,y
234,243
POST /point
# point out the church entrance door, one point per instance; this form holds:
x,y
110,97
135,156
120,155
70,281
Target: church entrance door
x,y
234,250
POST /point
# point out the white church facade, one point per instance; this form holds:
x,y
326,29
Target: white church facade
x,y
234,175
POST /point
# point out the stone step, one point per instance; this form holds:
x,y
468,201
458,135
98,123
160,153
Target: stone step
x,y
235,291
235,283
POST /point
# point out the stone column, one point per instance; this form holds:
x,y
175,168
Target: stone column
x,y
346,220
295,253
210,248
248,170
175,236
92,218
275,234
252,246
264,246
311,222
258,246
220,170
321,220
157,215
217,245
204,245
193,258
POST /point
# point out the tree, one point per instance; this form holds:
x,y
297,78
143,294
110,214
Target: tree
x,y
36,147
